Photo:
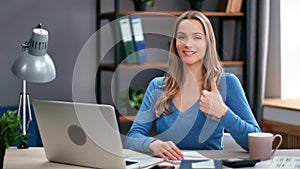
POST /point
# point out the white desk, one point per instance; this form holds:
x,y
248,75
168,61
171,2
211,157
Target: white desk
x,y
34,158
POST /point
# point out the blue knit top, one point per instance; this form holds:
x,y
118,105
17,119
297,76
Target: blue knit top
x,y
192,130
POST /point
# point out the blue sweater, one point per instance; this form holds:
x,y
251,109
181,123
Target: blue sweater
x,y
185,128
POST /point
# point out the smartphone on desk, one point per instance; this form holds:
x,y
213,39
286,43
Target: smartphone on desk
x,y
239,162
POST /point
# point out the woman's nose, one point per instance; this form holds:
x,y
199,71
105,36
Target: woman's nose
x,y
188,42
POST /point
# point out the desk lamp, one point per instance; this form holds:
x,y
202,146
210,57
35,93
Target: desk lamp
x,y
34,65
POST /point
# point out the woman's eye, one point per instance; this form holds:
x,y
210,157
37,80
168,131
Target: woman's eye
x,y
180,37
198,37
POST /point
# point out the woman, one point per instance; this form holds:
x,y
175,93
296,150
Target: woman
x,y
195,101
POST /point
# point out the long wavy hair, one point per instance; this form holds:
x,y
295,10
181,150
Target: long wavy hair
x,y
174,78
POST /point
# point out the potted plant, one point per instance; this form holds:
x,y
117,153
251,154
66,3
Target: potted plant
x,y
131,100
10,126
136,97
140,5
196,4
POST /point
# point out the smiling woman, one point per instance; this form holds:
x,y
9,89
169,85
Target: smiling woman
x,y
195,101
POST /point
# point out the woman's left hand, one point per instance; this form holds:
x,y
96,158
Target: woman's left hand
x,y
211,102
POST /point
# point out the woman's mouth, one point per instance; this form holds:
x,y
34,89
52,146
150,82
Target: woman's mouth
x,y
189,53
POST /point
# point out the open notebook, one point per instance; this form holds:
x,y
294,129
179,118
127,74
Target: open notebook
x,y
83,134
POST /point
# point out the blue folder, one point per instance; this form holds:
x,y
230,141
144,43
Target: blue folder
x,y
127,40
138,36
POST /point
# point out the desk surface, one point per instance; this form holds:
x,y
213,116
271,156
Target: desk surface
x,y
34,158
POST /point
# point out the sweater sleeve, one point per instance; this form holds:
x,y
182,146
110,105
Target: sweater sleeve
x,y
137,138
239,120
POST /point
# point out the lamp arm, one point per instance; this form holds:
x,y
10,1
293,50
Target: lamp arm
x,y
29,111
24,106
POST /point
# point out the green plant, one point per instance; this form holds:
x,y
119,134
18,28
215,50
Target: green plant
x,y
148,2
10,126
136,97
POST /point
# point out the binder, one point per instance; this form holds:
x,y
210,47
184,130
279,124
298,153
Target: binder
x,y
138,36
127,40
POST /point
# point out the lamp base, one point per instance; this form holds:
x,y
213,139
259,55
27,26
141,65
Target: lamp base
x,y
23,144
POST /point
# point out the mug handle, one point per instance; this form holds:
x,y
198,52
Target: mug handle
x,y
277,146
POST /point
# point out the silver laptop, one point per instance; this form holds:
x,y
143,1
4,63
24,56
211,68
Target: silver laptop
x,y
84,134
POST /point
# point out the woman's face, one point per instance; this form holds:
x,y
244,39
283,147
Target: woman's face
x,y
190,41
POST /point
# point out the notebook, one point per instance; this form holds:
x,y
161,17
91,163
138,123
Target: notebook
x,y
85,135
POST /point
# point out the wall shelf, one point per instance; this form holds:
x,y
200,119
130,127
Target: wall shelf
x,y
111,66
170,13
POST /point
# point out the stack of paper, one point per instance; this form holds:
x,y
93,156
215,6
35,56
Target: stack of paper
x,y
190,155
285,162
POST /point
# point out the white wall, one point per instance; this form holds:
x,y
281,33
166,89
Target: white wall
x,y
290,41
284,56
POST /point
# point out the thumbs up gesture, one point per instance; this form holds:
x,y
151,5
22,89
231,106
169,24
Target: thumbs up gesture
x,y
211,102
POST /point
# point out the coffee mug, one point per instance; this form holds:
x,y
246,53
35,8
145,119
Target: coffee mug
x,y
260,145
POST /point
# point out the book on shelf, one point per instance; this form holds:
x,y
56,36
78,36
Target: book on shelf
x,y
138,38
229,6
127,40
236,6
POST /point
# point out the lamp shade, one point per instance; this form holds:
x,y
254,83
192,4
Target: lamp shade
x,y
34,64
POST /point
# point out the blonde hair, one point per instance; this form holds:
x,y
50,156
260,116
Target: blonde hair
x,y
174,78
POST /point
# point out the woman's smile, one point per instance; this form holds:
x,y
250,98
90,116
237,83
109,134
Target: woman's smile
x,y
189,52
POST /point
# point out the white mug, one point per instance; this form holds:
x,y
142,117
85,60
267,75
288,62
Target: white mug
x,y
260,145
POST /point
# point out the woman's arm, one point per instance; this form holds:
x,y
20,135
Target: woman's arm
x,y
137,138
239,119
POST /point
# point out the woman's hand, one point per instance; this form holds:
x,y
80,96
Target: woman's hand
x,y
166,150
211,102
